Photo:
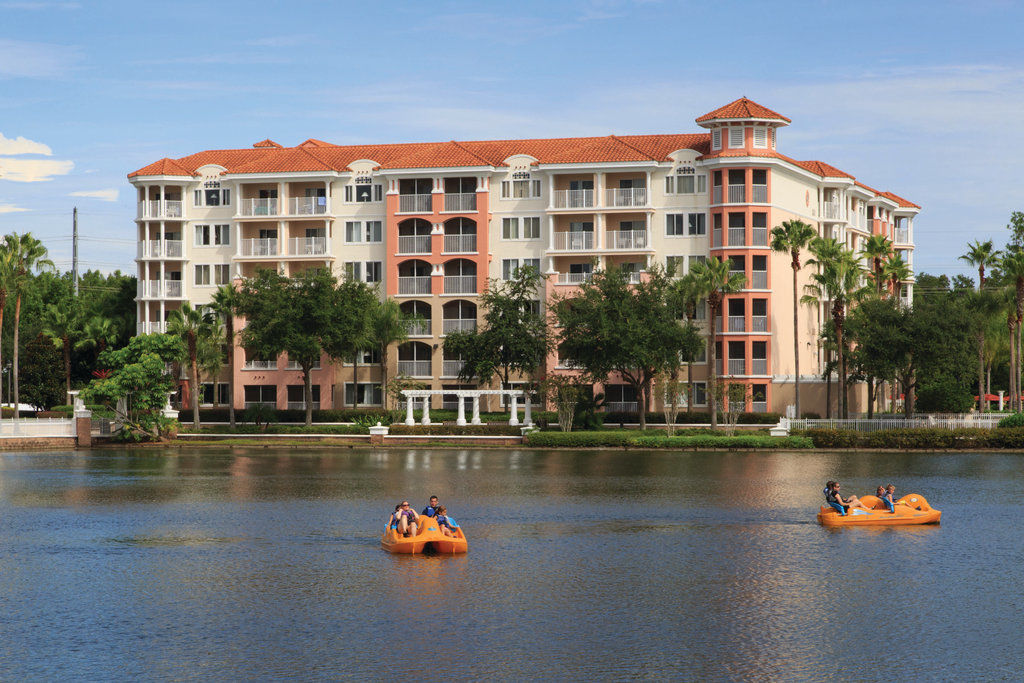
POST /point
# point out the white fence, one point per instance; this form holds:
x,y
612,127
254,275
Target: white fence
x,y
37,427
938,421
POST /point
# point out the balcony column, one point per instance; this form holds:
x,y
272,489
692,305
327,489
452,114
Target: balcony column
x,y
551,190
648,190
163,311
409,419
426,410
599,239
513,418
476,409
528,416
327,191
551,233
145,280
281,239
163,241
280,199
163,200
460,417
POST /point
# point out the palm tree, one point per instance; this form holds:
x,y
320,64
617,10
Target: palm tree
x,y
877,249
712,280
792,236
981,255
983,307
60,325
896,271
194,327
839,283
97,333
388,325
223,304
6,282
686,298
1012,265
28,254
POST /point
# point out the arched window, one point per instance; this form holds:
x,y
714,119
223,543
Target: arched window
x,y
414,359
460,277
459,316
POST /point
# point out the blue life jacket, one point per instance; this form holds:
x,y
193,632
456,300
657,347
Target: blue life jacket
x,y
429,511
447,521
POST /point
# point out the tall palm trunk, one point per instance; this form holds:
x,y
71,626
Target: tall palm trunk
x,y
828,388
1013,363
307,394
17,325
384,376
837,319
796,336
66,342
230,325
982,398
193,371
712,370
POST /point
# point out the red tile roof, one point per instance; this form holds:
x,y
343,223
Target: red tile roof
x,y
163,167
904,203
742,109
822,169
266,143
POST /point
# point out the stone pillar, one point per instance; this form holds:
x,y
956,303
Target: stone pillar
x,y
409,419
83,421
426,410
513,419
377,435
528,416
476,409
460,418
1000,400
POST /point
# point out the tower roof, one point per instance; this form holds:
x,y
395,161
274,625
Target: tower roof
x,y
742,108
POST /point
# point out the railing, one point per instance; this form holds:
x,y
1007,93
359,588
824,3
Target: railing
x,y
759,406
307,246
150,328
414,244
294,365
737,366
307,206
459,284
415,203
452,368
739,272
716,195
38,427
265,246
760,193
833,210
258,207
737,194
152,209
955,421
461,201
635,278
301,405
902,235
148,289
414,368
759,366
418,284
574,241
622,406
626,239
459,325
173,289
269,404
260,365
759,279
151,248
759,323
737,237
460,244
417,328
574,278
631,196
737,323
759,237
572,199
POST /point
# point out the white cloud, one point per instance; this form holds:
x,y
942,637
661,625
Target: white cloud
x,y
32,170
22,59
22,145
105,195
10,208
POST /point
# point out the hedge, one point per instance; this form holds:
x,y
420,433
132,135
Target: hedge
x,y
696,417
644,440
925,437
352,414
454,430
278,429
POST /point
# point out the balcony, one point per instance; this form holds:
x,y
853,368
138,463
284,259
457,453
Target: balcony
x,y
173,289
460,202
258,207
833,211
759,366
301,405
307,206
152,249
737,323
452,368
574,278
737,237
902,236
260,365
414,368
760,193
294,365
760,237
733,273
156,209
572,199
737,366
459,325
414,244
460,244
635,278
759,323
150,328
759,279
627,197
268,404
627,239
737,194
417,328
307,246
460,284
574,241
264,246
415,203
416,284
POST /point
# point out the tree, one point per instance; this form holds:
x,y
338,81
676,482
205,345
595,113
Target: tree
x,y
712,280
611,325
60,325
879,330
304,316
28,255
138,376
388,326
194,326
897,271
877,249
6,285
42,387
792,236
837,283
1016,228
513,337
981,255
1012,265
223,304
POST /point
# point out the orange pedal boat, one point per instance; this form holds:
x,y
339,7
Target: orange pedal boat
x,y
428,538
910,509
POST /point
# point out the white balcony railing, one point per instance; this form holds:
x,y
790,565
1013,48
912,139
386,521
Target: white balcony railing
x,y
260,365
833,211
418,328
415,203
307,246
173,289
622,406
737,194
759,237
737,237
150,328
460,201
414,284
154,208
574,241
150,289
574,278
572,199
737,323
258,207
737,366
414,244
307,206
459,284
759,279
902,235
635,278
759,366
294,365
632,196
414,368
269,404
459,325
452,368
301,405
759,323
760,193
264,246
627,239
460,244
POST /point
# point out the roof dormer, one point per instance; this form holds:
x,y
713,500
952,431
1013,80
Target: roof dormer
x,y
742,125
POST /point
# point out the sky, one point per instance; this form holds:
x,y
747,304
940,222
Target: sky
x,y
919,98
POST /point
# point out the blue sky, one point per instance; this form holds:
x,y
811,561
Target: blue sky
x,y
921,98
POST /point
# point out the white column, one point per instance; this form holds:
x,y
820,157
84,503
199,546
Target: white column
x,y
426,410
648,191
327,191
409,419
513,419
163,201
238,237
476,409
551,190
138,312
163,311
599,239
528,417
163,240
551,232
281,248
460,418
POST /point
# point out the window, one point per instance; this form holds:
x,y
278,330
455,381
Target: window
x,y
531,228
675,224
353,270
716,139
675,265
737,219
531,263
222,235
364,192
207,396
212,195
368,393
697,224
260,393
371,357
296,396
510,228
202,235
686,182
735,137
221,274
700,393
760,137
202,276
373,270
697,259
219,235
509,266
358,231
520,189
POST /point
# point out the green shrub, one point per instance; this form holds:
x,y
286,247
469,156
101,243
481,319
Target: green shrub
x,y
579,439
645,440
1015,420
944,395
922,438
455,430
831,438
243,428
696,417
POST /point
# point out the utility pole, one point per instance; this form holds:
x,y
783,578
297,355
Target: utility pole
x,y
74,249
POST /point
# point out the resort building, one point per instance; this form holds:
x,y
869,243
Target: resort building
x,y
430,223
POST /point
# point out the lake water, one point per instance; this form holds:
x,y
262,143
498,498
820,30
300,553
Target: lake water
x,y
265,563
